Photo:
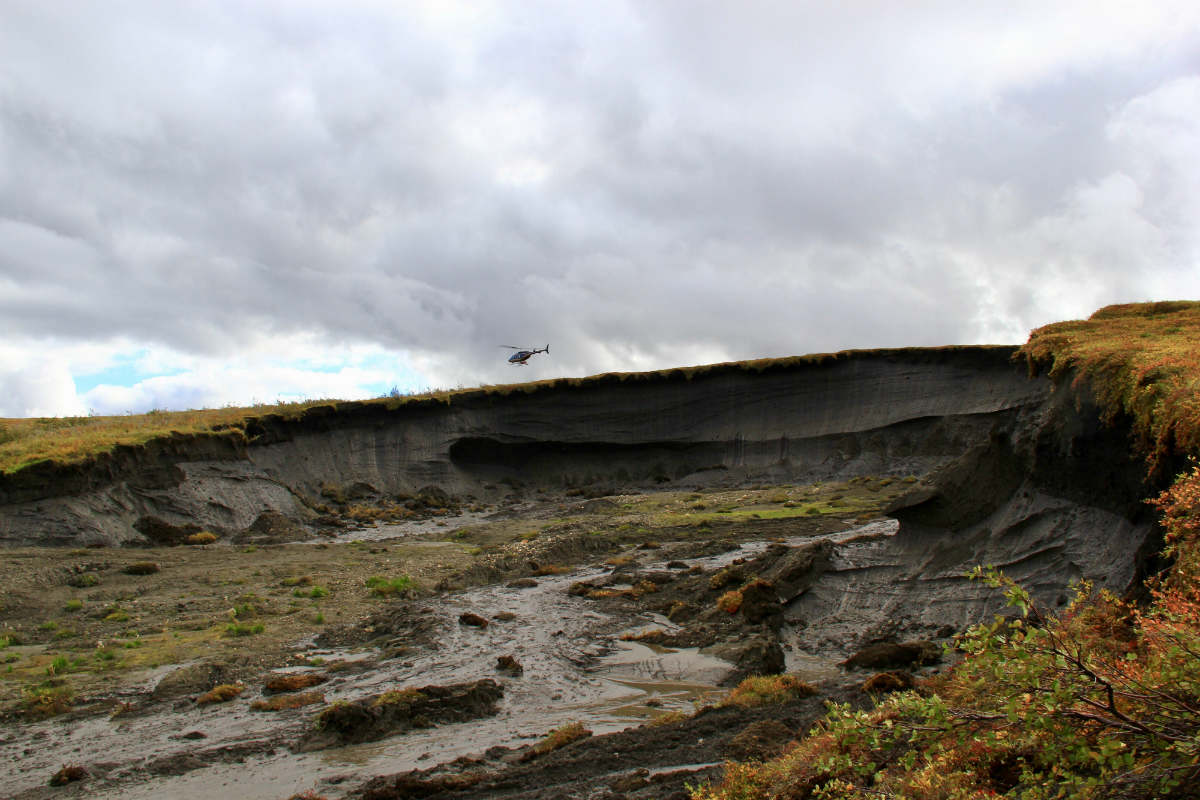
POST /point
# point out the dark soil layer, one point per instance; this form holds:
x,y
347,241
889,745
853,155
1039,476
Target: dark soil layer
x,y
655,761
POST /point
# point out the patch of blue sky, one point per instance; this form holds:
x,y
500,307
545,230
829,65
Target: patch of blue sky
x,y
126,370
401,377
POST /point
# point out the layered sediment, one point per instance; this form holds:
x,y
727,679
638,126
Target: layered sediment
x,y
1016,471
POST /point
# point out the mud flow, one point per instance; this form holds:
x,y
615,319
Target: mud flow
x,y
564,661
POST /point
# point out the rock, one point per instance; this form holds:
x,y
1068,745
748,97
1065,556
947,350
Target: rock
x,y
271,527
432,497
757,654
887,655
68,774
504,616
681,612
522,583
473,620
192,679
359,490
161,532
794,572
391,713
509,666
760,604
759,741
631,782
413,784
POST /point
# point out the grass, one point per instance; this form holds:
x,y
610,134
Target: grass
x,y
286,701
761,690
388,587
220,694
561,737
48,699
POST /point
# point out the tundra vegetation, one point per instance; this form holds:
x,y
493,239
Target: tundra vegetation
x,y
1099,701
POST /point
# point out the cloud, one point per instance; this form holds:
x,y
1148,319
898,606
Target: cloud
x,y
640,185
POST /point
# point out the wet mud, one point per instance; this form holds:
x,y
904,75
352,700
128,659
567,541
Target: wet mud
x,y
452,691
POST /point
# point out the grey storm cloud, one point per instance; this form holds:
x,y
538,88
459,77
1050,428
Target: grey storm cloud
x,y
640,184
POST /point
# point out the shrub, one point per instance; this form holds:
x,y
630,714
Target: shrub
x,y
74,604
201,538
241,629
730,602
85,580
141,568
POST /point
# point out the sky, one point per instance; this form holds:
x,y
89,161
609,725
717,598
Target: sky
x,y
215,203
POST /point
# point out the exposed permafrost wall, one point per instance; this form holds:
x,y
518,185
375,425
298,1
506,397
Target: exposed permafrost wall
x,y
1018,474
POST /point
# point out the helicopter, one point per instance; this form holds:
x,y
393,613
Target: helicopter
x,y
522,355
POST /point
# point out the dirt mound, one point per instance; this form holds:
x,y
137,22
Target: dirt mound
x,y
889,655
391,713
271,527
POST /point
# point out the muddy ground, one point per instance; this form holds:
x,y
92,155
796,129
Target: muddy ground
x,y
425,657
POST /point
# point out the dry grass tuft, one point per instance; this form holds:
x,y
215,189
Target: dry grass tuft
x,y
293,682
561,737
285,701
761,690
220,694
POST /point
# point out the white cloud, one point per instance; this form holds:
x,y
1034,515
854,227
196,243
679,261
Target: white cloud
x,y
641,185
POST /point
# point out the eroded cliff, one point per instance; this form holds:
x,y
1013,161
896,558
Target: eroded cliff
x,y
1015,470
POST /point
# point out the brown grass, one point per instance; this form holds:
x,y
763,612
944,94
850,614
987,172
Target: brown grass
x,y
285,701
220,694
561,737
760,690
293,682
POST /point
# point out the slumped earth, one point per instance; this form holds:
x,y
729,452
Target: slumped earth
x,y
433,658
